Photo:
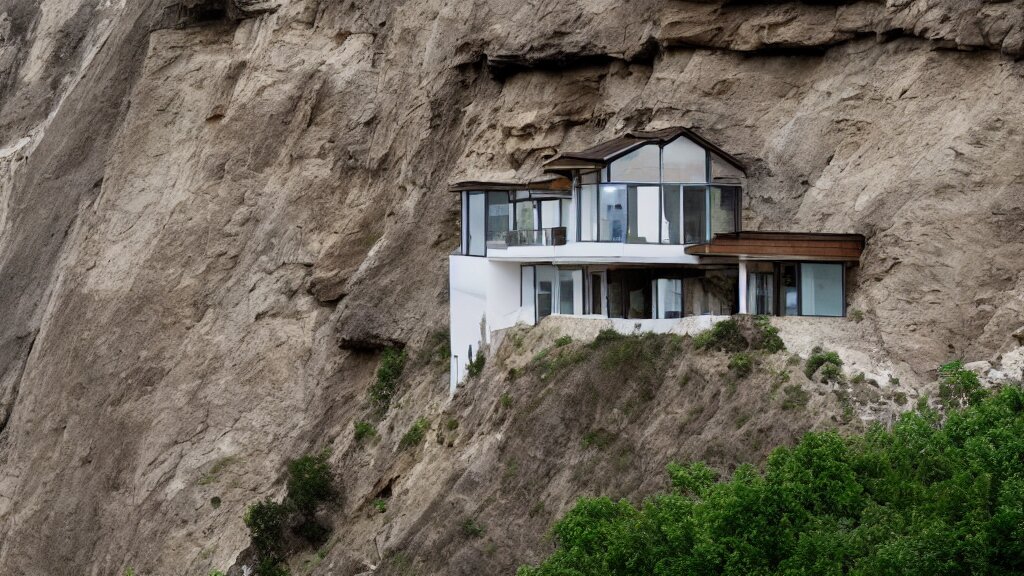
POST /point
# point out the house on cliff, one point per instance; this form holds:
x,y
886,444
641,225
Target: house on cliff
x,y
644,231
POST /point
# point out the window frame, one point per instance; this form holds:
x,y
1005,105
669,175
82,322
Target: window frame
x,y
604,178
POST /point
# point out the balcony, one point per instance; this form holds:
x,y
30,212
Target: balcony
x,y
542,237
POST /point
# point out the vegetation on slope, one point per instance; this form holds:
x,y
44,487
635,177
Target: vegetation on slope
x,y
928,497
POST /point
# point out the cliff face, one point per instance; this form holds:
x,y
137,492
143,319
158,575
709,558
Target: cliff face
x,y
199,200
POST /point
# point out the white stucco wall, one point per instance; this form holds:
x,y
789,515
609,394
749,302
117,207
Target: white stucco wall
x,y
468,284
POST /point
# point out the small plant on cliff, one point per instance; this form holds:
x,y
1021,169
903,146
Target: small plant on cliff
x,y
472,529
741,364
724,335
389,371
563,341
959,387
415,434
822,358
265,521
476,365
768,335
363,431
310,483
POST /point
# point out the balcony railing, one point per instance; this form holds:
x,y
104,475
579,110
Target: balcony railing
x,y
542,237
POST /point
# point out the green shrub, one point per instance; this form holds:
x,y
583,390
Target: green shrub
x,y
415,434
472,529
794,396
381,504
894,381
724,335
563,341
389,371
363,430
855,315
858,378
830,372
476,366
506,400
265,521
819,358
741,364
768,335
599,439
310,483
958,387
437,347
899,398
920,499
268,567
606,336
215,502
452,424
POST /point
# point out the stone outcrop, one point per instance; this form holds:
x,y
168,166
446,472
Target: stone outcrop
x,y
195,213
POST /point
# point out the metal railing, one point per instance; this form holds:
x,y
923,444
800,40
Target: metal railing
x,y
541,237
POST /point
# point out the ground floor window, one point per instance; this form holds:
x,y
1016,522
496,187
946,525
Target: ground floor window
x,y
557,290
663,293
796,288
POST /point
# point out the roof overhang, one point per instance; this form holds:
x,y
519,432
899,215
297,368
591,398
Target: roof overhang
x,y
783,246
602,154
552,183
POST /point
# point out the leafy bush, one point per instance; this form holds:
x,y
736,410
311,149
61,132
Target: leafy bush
x,y
793,396
819,358
389,371
855,315
768,336
958,387
363,430
472,529
921,499
563,341
381,504
415,434
741,364
831,373
452,424
606,336
265,521
476,365
310,483
724,335
267,567
505,400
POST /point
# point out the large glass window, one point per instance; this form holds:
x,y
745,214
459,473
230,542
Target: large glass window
x,y
724,171
546,276
570,291
644,217
694,214
499,216
821,289
550,211
526,218
611,224
760,288
671,214
640,165
790,305
685,161
477,224
588,213
669,303
724,204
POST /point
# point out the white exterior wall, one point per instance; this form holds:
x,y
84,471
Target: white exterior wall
x,y
467,300
484,296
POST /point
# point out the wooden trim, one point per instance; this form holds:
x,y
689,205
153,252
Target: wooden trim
x,y
785,245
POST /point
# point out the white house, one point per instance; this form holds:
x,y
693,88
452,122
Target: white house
x,y
645,227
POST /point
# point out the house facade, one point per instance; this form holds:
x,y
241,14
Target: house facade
x,y
645,229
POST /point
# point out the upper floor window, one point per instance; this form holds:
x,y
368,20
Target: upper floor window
x,y
660,194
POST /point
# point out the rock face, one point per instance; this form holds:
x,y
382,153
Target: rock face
x,y
199,200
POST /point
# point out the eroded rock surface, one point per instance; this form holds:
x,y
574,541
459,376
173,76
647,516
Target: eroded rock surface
x,y
195,213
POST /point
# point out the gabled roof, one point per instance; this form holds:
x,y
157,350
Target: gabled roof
x,y
602,154
550,183
783,245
